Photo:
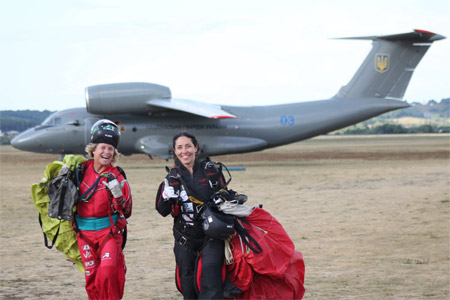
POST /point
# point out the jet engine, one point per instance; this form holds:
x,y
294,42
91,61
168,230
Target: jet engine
x,y
124,98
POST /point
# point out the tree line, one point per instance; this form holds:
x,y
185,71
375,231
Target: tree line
x,y
390,128
20,120
435,115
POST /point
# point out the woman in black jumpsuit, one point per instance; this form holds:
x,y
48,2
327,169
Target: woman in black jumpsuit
x,y
173,198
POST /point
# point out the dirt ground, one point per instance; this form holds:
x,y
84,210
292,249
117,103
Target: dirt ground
x,y
370,215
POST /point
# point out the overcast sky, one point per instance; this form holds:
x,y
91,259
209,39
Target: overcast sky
x,y
235,52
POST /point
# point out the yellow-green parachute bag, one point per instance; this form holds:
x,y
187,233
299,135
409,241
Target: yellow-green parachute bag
x,y
66,241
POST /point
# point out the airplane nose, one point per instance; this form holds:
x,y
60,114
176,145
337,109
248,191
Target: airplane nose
x,y
15,142
23,141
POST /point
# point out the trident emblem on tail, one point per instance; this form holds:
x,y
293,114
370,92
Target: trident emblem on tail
x,y
381,62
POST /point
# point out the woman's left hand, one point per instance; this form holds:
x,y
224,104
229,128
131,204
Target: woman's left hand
x,y
115,187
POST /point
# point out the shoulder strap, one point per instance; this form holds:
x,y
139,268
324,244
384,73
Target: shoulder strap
x,y
122,172
45,237
79,171
246,237
213,172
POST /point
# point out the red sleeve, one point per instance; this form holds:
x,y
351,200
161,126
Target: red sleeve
x,y
125,203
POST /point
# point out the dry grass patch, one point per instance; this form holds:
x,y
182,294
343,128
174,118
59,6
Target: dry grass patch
x,y
370,214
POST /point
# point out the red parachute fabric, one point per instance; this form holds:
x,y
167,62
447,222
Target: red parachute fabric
x,y
277,272
277,247
240,272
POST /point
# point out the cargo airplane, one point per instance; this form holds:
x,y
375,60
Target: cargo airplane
x,y
149,117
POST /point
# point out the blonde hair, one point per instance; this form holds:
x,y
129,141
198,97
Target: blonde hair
x,y
91,148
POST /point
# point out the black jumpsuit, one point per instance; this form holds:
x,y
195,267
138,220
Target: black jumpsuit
x,y
189,236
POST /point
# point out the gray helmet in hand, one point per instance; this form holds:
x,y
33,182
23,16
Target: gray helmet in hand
x,y
216,225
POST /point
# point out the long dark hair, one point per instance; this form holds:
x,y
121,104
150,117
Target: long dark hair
x,y
178,135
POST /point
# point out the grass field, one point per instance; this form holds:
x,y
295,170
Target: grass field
x,y
371,216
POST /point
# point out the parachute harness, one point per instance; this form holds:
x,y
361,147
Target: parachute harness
x,y
92,189
217,197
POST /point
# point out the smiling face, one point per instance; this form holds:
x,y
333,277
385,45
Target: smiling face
x,y
185,151
103,156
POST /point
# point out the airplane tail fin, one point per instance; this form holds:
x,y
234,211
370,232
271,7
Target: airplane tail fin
x,y
387,70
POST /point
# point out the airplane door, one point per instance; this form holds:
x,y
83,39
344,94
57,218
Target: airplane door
x,y
87,129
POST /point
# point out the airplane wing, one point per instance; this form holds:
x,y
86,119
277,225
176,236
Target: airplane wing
x,y
207,110
142,97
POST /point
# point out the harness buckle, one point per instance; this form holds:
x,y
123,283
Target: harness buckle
x,y
199,208
182,240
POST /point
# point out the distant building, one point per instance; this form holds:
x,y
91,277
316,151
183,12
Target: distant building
x,y
11,133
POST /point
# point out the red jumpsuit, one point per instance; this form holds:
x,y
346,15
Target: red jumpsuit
x,y
100,246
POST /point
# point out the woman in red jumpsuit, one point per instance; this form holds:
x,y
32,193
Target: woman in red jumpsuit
x,y
105,201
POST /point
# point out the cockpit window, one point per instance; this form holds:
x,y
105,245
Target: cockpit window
x,y
52,121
